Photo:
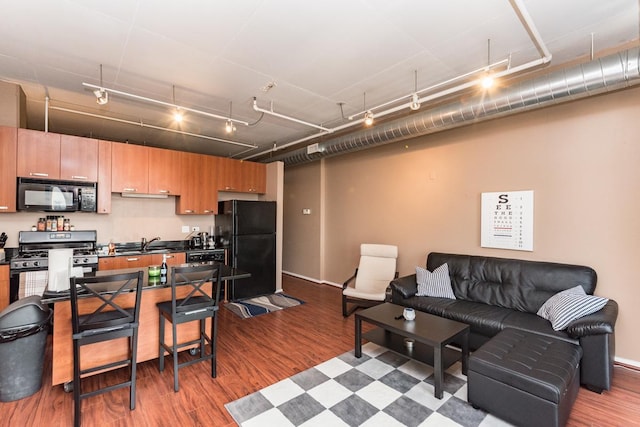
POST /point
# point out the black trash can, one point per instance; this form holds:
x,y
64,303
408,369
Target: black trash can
x,y
23,338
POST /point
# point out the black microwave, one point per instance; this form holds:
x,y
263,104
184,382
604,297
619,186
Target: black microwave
x,y
56,196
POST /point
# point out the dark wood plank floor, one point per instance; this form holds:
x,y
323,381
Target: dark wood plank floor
x,y
252,354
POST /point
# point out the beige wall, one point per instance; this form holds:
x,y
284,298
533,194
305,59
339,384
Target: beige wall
x,y
581,159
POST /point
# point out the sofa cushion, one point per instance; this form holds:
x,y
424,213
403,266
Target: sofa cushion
x,y
569,305
529,322
434,284
510,283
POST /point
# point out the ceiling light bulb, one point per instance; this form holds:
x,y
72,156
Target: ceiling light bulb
x,y
229,127
177,116
415,105
368,118
487,82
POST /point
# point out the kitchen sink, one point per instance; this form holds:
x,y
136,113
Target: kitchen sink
x,y
139,252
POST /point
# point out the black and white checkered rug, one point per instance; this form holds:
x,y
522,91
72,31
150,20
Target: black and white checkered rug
x,y
382,388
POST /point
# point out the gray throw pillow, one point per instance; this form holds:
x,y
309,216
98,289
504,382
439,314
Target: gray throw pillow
x,y
434,284
569,305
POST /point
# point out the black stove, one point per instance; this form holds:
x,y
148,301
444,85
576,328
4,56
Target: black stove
x,y
33,249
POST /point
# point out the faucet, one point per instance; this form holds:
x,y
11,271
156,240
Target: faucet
x,y
145,245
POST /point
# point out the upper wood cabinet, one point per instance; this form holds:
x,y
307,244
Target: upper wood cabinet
x,y
8,150
78,158
38,154
129,168
165,170
199,194
241,176
104,177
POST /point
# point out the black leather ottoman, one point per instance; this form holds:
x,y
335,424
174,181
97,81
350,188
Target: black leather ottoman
x,y
525,378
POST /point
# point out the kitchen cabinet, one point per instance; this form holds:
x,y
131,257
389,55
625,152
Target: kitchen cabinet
x,y
164,172
4,286
38,154
78,158
129,168
241,176
8,151
104,177
199,194
139,261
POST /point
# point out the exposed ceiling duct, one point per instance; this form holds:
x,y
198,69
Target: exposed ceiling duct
x,y
598,76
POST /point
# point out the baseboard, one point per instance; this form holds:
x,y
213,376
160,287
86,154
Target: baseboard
x,y
627,362
310,279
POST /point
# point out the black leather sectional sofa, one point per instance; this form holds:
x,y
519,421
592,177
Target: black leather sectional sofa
x,y
493,294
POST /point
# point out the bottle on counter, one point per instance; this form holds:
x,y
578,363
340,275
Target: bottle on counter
x,y
60,223
67,224
163,270
42,224
48,224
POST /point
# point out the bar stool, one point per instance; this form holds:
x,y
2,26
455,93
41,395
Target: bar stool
x,y
200,303
103,309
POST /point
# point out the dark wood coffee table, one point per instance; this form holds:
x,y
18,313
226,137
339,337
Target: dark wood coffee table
x,y
431,335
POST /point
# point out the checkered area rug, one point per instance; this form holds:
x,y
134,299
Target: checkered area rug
x,y
382,388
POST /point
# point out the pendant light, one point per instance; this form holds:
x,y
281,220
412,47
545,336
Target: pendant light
x,y
487,81
368,115
102,96
177,116
415,104
229,127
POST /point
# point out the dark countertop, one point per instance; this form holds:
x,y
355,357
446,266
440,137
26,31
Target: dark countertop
x,y
228,273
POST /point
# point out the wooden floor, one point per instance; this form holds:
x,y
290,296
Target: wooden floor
x,y
252,354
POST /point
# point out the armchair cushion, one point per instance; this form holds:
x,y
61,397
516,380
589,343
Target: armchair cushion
x,y
376,269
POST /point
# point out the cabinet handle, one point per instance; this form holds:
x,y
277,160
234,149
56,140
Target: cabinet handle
x,y
79,177
170,256
164,191
188,210
207,211
133,259
38,174
228,188
4,208
130,190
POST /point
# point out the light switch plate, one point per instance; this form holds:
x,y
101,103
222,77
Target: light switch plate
x,y
185,228
306,211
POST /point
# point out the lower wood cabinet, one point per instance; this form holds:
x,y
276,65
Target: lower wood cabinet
x,y
4,286
135,261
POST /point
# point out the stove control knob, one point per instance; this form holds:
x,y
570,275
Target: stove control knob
x,y
85,260
75,260
25,264
36,263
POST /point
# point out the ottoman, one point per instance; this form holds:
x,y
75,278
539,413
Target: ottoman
x,y
525,378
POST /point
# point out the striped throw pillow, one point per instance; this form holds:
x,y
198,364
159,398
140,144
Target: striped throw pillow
x,y
569,305
434,284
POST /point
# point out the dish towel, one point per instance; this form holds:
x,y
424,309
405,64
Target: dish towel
x,y
32,283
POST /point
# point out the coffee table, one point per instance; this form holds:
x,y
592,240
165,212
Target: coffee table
x,y
431,335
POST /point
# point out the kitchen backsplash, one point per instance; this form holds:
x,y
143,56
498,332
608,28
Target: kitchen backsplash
x,y
129,221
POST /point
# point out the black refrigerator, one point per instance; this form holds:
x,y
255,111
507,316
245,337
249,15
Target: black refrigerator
x,y
249,227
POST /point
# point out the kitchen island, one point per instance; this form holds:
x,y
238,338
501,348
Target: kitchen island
x,y
148,335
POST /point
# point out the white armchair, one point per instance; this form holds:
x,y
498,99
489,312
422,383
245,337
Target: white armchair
x,y
367,287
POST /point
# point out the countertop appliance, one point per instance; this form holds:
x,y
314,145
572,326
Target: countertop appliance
x,y
56,196
205,255
33,252
250,229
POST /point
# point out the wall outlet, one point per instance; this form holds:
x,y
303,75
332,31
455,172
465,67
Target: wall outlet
x,y
306,211
196,228
185,228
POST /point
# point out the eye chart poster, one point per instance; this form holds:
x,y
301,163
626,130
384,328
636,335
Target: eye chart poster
x,y
507,220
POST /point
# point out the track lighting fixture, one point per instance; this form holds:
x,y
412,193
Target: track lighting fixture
x,y
415,104
229,127
368,118
178,116
102,97
487,81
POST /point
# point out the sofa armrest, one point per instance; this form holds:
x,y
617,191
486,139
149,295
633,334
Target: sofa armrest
x,y
405,286
600,322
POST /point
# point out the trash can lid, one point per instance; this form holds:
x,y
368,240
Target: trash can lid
x,y
24,312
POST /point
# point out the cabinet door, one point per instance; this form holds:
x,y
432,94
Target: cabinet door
x,y
129,168
104,177
4,286
254,177
78,158
229,174
164,172
209,189
8,152
189,203
38,154
120,262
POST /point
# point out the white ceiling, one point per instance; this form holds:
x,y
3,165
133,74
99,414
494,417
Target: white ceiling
x,y
318,54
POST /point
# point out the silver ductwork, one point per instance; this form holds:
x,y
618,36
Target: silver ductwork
x,y
602,75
